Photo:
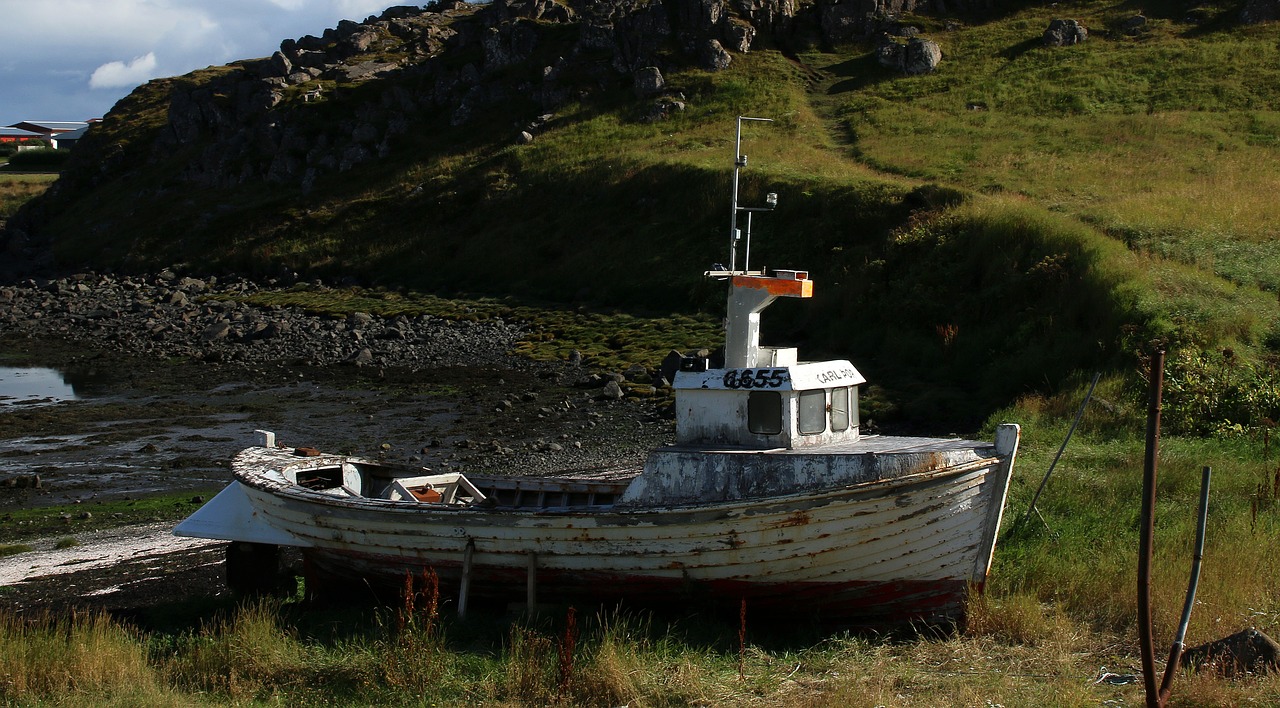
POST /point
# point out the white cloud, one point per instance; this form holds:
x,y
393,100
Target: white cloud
x,y
116,74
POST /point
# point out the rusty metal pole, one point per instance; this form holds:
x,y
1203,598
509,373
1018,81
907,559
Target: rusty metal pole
x,y
1147,538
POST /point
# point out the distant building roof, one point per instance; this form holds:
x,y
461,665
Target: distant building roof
x,y
72,134
67,139
18,133
49,127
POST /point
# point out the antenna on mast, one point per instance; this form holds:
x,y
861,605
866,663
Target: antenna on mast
x,y
771,201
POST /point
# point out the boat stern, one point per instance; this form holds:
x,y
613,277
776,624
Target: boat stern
x,y
232,516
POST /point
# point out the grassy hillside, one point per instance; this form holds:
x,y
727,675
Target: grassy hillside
x,y
977,233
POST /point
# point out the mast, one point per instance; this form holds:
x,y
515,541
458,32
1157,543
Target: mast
x,y
771,201
750,293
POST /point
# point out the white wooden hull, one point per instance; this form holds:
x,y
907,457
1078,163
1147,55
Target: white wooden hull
x,y
884,551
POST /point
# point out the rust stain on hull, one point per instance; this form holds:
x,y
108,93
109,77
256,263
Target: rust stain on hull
x,y
798,518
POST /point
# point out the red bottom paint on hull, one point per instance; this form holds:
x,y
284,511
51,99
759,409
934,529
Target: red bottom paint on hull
x,y
849,603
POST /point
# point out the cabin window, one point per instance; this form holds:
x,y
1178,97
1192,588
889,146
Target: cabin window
x,y
839,409
813,412
764,412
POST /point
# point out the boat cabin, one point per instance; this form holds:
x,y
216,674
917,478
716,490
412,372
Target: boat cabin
x,y
765,398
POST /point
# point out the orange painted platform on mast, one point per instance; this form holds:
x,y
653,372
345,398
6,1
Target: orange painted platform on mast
x,y
799,286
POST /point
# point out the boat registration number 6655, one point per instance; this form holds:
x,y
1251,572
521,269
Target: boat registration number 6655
x,y
755,378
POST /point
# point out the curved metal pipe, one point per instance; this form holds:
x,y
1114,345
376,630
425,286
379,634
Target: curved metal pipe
x,y
1175,651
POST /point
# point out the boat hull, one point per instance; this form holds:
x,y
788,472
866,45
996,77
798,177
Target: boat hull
x,y
863,603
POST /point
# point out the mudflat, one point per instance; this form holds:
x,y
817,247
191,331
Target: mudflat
x,y
162,402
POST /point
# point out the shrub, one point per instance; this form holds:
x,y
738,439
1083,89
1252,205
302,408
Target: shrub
x,y
39,158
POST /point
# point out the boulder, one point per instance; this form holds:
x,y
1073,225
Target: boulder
x,y
671,363
649,81
279,65
1063,33
714,57
217,330
916,56
1248,651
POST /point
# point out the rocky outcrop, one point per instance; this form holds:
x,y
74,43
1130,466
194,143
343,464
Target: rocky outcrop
x,y
1064,33
324,105
249,124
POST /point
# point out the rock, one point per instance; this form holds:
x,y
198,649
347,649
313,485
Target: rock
x,y
1134,25
363,357
612,391
192,285
714,57
367,70
740,35
1248,651
1063,33
917,56
22,482
671,364
637,373
649,81
217,330
279,65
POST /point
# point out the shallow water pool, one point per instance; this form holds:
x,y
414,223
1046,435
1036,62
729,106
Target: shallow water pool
x,y
30,386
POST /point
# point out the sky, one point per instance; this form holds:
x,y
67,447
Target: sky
x,y
71,60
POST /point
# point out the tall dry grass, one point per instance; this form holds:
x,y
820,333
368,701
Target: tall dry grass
x,y
56,657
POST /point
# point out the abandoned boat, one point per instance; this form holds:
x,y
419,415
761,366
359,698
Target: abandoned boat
x,y
770,495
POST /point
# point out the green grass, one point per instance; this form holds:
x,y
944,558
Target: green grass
x,y
18,189
1167,140
13,549
57,520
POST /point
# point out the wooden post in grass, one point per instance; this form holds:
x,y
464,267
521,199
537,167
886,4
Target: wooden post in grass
x,y
1147,532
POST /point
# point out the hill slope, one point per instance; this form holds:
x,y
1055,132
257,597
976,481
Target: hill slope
x,y
1020,214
